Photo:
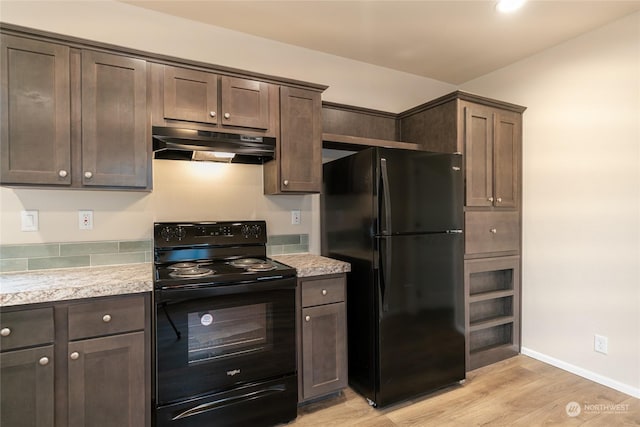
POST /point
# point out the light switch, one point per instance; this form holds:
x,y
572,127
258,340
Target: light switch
x,y
295,217
29,221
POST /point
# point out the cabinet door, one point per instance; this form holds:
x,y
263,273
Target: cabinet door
x,y
26,384
479,155
115,147
300,151
35,107
244,103
506,155
324,354
190,95
106,381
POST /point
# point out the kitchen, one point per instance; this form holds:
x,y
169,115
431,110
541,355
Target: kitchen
x,y
549,156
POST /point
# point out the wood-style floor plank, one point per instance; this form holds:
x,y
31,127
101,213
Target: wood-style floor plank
x,y
519,391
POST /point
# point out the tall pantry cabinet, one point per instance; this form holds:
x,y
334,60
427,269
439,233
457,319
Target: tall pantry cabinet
x,y
489,134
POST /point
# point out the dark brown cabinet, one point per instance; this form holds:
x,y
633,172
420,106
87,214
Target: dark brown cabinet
x,y
298,164
102,363
35,108
115,125
492,156
203,97
73,117
27,368
322,347
492,294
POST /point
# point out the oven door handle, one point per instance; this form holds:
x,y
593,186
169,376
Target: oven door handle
x,y
216,404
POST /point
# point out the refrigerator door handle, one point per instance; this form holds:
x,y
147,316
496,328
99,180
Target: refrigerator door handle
x,y
385,273
386,228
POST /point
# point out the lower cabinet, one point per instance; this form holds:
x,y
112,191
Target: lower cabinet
x,y
492,294
91,369
322,346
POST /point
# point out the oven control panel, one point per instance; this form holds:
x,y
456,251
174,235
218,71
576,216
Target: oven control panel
x,y
170,234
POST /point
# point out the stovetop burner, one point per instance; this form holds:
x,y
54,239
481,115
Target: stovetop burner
x,y
184,272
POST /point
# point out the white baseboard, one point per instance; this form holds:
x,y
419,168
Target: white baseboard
x,y
600,379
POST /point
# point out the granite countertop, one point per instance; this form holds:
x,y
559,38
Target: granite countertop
x,y
74,283
308,265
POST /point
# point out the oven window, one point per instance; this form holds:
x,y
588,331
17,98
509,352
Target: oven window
x,y
227,332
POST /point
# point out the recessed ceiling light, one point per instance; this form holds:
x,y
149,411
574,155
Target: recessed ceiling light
x,y
508,6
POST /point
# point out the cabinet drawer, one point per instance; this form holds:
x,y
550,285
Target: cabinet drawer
x,y
26,328
492,232
322,291
106,317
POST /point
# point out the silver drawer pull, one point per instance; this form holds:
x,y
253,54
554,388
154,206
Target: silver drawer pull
x,y
212,113
493,231
106,318
227,115
307,318
324,292
88,175
74,355
5,332
44,361
62,173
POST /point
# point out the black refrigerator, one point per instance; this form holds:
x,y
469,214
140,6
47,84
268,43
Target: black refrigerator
x,y
397,217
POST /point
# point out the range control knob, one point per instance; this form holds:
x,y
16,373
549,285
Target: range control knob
x,y
245,230
166,233
255,231
181,233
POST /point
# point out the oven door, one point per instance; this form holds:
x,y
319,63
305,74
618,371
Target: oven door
x,y
212,339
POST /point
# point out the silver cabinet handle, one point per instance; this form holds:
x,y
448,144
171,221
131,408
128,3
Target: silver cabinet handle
x,y
212,113
88,175
5,332
490,199
62,173
106,318
493,231
307,318
74,355
499,200
285,182
324,292
455,168
227,115
44,361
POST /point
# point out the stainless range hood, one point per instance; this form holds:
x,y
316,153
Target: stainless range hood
x,y
192,144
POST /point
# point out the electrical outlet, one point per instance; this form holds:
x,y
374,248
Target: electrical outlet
x,y
85,220
601,344
295,217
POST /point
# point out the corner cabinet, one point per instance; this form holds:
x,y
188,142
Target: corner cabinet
x,y
489,134
297,167
322,346
98,352
72,117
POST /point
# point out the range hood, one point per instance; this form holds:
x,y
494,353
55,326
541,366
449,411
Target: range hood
x,y
192,144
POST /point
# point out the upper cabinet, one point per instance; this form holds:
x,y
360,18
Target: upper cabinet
x,y
492,148
35,109
206,98
115,125
298,164
73,117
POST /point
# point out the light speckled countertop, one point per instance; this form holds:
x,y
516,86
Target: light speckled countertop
x,y
313,265
87,282
74,283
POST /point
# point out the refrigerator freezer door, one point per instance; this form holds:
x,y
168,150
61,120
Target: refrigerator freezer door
x,y
419,191
420,315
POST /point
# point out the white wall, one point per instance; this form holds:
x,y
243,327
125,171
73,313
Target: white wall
x,y
183,191
581,224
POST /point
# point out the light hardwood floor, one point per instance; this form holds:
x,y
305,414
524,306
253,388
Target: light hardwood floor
x,y
520,391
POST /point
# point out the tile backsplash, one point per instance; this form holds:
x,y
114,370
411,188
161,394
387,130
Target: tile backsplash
x,y
45,256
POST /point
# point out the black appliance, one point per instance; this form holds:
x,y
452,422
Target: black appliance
x,y
396,216
224,324
192,144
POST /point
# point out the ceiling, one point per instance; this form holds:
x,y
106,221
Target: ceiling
x,y
451,41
